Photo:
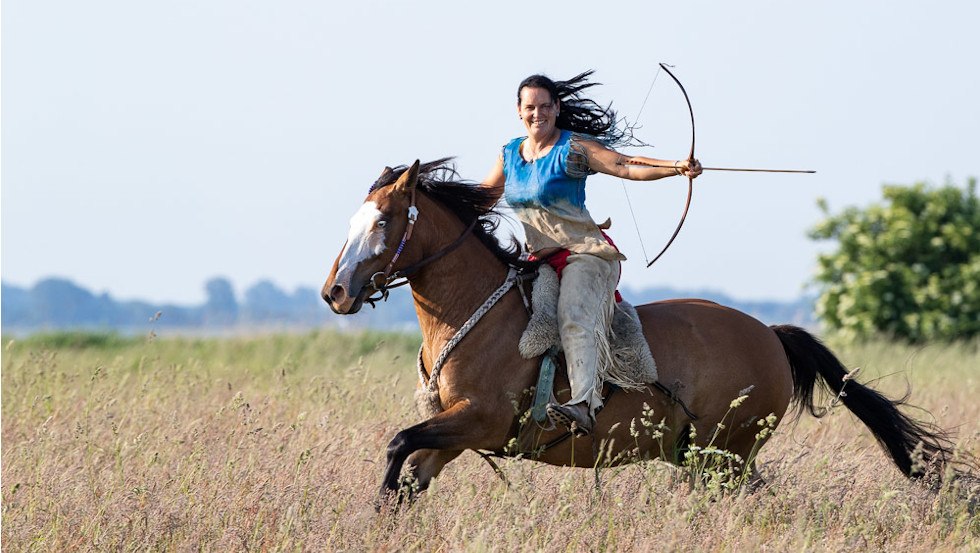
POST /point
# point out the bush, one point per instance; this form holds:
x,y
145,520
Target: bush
x,y
908,267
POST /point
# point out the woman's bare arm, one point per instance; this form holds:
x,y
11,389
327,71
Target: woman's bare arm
x,y
611,162
495,180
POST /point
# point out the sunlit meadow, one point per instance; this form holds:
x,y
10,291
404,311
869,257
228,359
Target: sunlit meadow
x,y
277,443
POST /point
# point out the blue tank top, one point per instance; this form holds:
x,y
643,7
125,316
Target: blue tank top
x,y
544,182
550,203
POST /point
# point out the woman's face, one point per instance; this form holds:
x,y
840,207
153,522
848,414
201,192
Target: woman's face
x,y
538,111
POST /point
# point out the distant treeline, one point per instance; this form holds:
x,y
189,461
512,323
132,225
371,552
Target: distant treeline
x,y
58,303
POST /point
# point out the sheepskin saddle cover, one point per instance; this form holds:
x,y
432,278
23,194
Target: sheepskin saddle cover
x,y
630,351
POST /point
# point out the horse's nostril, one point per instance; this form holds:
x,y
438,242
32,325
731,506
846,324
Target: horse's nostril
x,y
336,293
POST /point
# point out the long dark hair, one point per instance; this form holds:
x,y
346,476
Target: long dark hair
x,y
578,113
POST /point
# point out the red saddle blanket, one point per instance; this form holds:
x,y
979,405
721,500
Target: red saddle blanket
x,y
559,260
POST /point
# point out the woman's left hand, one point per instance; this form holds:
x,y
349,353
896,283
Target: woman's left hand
x,y
689,168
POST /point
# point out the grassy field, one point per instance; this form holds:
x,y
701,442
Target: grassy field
x,y
277,443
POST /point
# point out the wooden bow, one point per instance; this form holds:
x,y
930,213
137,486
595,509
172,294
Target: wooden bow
x,y
690,179
690,159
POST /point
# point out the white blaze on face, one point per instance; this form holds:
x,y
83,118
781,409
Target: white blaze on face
x,y
364,240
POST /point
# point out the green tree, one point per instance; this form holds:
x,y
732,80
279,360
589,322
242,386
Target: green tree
x,y
908,266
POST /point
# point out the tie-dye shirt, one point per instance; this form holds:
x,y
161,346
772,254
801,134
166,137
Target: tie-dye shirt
x,y
550,201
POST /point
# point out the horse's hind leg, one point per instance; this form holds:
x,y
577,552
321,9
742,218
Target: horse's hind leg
x,y
756,481
747,446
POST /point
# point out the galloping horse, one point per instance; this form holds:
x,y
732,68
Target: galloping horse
x,y
424,224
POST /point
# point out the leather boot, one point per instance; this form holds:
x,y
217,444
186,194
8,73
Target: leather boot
x,y
576,418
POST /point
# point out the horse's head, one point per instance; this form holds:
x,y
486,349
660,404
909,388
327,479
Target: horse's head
x,y
376,231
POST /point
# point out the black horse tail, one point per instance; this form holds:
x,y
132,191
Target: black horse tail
x,y
914,446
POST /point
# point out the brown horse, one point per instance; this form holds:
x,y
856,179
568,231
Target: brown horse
x,y
706,353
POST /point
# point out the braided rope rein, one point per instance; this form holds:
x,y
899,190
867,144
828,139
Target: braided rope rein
x,y
432,385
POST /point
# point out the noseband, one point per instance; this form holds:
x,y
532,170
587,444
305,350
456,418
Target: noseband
x,y
382,281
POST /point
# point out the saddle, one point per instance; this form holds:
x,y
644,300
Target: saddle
x,y
629,364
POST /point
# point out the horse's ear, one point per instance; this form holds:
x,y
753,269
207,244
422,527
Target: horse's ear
x,y
408,180
385,173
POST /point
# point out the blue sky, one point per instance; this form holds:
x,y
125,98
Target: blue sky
x,y
149,146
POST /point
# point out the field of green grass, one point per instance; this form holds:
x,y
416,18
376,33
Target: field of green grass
x,y
276,443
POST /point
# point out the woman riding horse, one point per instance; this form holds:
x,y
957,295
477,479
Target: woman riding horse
x,y
542,177
423,224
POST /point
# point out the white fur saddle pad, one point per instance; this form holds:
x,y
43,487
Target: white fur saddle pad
x,y
632,363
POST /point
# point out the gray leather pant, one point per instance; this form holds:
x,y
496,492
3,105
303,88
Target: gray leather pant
x,y
585,307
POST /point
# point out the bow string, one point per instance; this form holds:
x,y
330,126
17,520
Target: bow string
x,y
690,157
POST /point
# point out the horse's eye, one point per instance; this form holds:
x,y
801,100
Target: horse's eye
x,y
382,223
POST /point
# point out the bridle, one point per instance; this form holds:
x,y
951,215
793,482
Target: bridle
x,y
383,281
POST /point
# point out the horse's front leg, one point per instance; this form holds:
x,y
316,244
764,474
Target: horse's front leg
x,y
422,466
450,432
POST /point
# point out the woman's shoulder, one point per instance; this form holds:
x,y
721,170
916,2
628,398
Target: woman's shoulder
x,y
514,142
577,150
512,147
582,138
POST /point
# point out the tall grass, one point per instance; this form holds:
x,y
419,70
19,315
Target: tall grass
x,y
277,443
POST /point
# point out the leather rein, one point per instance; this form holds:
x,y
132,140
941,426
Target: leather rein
x,y
382,281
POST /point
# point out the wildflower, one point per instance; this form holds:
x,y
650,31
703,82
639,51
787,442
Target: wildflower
x,y
738,401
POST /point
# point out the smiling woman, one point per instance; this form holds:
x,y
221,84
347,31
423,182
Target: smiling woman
x,y
542,176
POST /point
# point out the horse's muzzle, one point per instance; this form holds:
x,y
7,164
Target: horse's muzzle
x,y
340,301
